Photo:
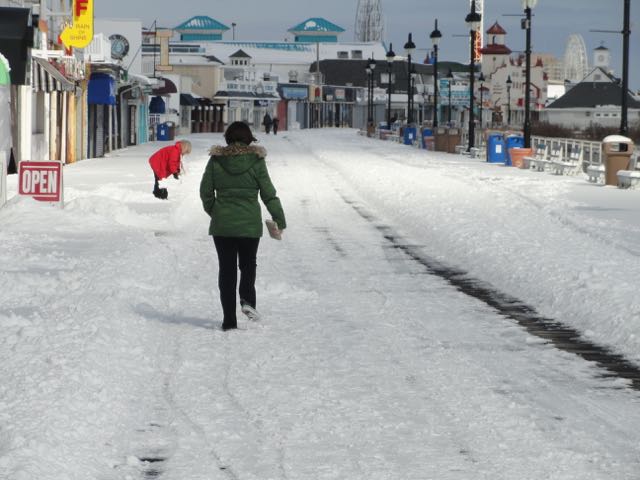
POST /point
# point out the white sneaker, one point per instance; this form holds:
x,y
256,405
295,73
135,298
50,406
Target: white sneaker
x,y
250,312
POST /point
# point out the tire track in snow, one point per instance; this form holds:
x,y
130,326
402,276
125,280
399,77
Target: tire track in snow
x,y
551,330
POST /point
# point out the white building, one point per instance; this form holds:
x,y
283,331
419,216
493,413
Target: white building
x,y
595,100
499,67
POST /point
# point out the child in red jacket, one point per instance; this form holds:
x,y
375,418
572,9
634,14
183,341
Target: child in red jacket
x,y
165,162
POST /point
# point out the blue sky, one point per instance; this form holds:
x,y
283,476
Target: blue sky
x,y
269,20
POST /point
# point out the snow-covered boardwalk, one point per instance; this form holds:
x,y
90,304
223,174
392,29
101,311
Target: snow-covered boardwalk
x,y
365,366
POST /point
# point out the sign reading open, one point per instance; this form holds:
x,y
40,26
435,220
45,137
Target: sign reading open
x,y
41,180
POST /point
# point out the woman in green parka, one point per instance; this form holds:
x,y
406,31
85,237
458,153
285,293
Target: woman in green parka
x,y
234,177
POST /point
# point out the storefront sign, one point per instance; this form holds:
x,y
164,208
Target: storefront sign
x,y
41,180
80,33
459,93
295,93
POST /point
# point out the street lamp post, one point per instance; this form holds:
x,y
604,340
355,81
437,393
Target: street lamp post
x,y
450,79
413,89
371,67
435,40
509,83
626,32
409,48
369,73
526,25
473,19
481,79
390,58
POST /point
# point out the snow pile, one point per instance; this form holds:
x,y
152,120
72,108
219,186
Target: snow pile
x,y
114,366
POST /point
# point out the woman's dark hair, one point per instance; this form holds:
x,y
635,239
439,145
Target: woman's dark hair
x,y
239,132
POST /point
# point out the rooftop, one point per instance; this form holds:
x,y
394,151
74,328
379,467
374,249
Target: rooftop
x,y
496,29
200,23
316,25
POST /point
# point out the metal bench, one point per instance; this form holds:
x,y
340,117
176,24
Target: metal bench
x,y
540,154
571,165
628,178
542,164
595,173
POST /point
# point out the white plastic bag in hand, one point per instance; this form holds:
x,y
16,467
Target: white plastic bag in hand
x,y
274,231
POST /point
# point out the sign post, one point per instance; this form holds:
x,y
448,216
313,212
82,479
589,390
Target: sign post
x,y
42,181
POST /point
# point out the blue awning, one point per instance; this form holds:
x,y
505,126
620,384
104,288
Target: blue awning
x,y
157,105
102,90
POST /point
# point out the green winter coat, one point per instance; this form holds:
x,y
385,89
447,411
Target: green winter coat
x,y
229,189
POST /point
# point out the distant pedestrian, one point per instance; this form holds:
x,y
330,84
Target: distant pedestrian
x,y
276,122
267,122
233,179
165,162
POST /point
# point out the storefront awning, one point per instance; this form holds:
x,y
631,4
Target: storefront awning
x,y
16,37
167,89
247,96
187,100
47,78
102,90
141,79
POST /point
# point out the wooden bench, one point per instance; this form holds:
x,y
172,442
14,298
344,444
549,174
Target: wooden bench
x,y
595,173
571,165
542,164
540,154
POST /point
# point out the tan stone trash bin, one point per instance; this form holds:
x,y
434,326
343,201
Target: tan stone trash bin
x,y
454,138
617,151
441,139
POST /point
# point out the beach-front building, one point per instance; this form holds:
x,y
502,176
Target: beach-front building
x,y
314,30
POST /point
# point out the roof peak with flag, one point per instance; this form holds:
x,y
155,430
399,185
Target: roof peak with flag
x,y
496,29
202,22
317,25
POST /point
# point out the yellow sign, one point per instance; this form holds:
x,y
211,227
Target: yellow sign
x,y
80,34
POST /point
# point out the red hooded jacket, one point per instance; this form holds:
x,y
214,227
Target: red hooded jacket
x,y
166,161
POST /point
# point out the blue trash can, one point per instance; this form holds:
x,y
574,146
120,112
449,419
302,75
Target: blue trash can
x,y
513,141
409,135
495,148
427,139
163,132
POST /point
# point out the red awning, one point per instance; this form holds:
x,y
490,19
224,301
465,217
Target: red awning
x,y
168,88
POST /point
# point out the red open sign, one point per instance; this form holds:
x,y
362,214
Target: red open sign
x,y
41,180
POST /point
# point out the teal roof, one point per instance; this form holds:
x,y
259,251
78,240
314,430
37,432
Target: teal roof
x,y
316,25
201,22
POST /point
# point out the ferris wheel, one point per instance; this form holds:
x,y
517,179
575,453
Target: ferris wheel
x,y
576,62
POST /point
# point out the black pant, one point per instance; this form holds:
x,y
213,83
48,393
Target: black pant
x,y
234,252
275,128
158,192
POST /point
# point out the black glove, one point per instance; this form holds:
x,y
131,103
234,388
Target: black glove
x,y
176,175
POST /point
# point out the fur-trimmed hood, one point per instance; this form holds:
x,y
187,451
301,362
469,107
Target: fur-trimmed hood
x,y
237,158
237,149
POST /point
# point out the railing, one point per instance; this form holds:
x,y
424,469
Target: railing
x,y
99,50
591,151
479,138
